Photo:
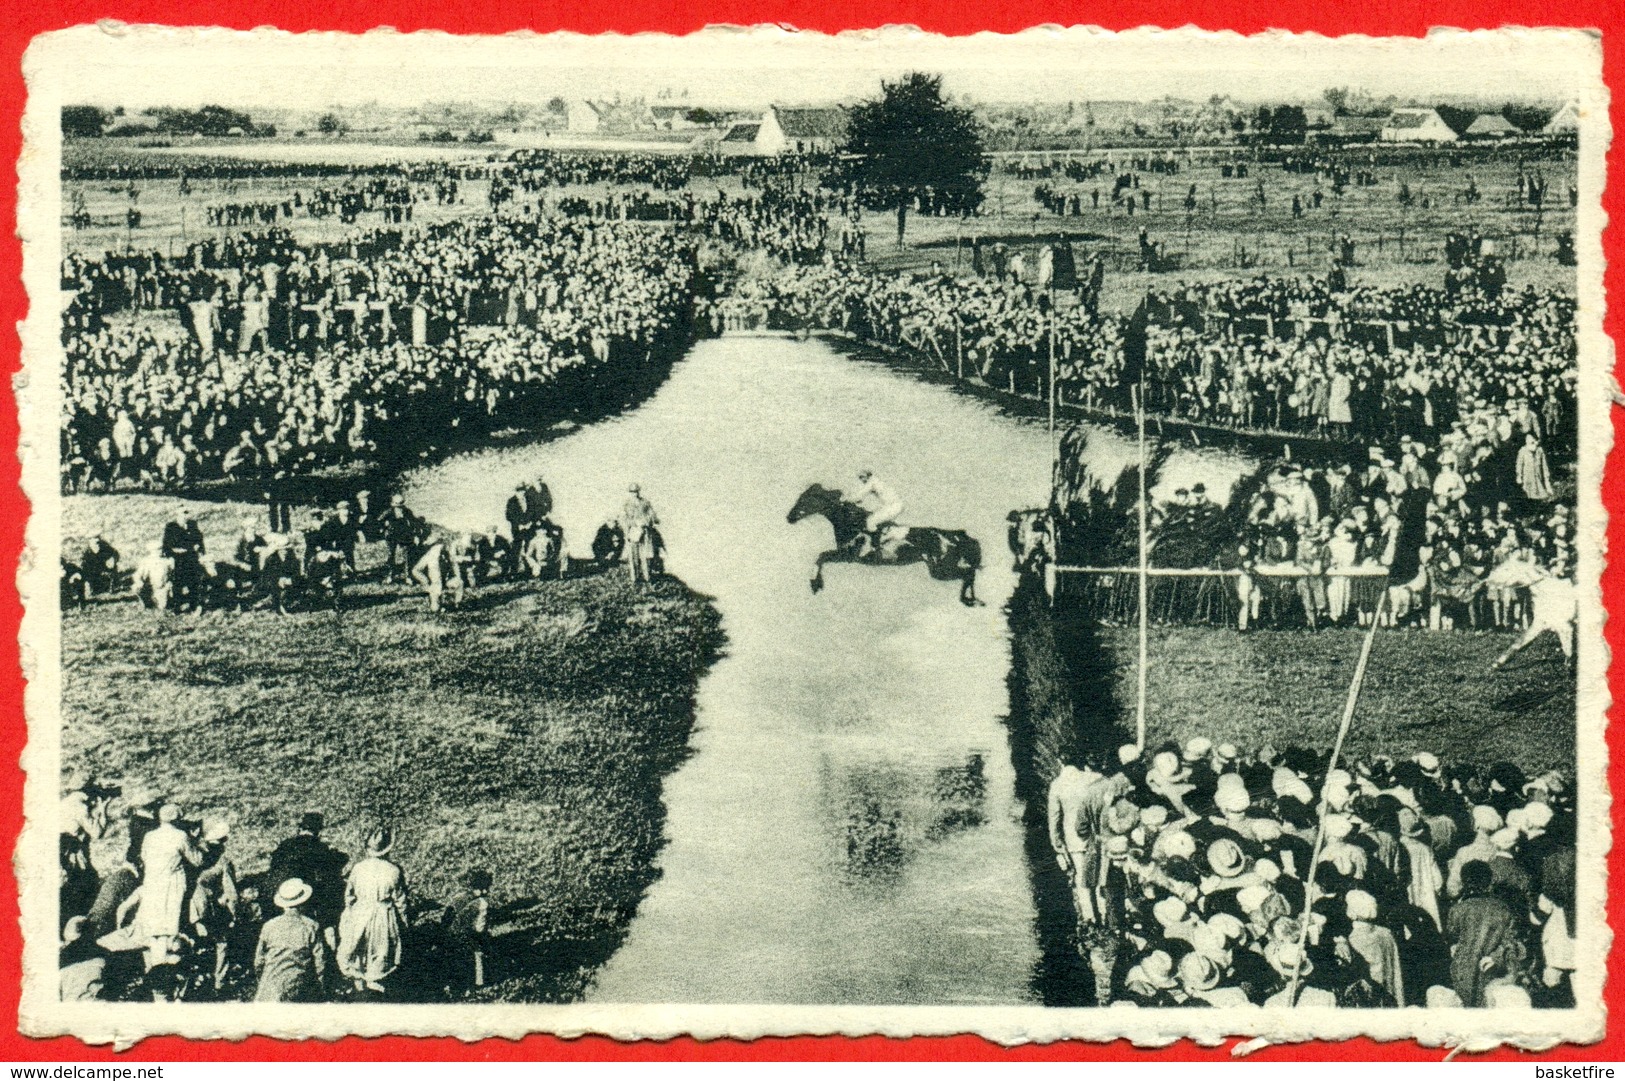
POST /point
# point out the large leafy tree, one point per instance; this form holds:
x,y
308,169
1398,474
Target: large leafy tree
x,y
84,120
908,142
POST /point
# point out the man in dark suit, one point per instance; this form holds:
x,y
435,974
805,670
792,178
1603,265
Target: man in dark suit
x,y
400,527
183,543
521,514
307,857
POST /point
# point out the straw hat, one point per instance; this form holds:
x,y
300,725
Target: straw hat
x,y
292,893
1169,911
1156,969
1225,857
1337,827
1288,960
1198,972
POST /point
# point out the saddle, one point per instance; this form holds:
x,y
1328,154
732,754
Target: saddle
x,y
892,537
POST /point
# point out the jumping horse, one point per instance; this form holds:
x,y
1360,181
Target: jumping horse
x,y
950,555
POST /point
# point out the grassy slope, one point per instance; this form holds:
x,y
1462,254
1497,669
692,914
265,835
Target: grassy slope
x,y
528,733
1422,692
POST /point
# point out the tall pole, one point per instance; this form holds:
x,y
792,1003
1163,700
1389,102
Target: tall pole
x,y
1054,447
1145,577
1320,806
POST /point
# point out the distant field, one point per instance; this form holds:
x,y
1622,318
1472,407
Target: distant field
x,y
1423,691
1394,245
527,733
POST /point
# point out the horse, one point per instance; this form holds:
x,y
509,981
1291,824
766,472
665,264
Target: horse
x,y
948,554
1553,605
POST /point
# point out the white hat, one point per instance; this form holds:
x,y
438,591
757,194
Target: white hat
x,y
293,893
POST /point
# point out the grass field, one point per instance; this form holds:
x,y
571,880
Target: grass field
x,y
1423,691
527,733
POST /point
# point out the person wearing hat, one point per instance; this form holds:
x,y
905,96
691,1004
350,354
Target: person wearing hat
x,y
1487,822
1199,978
291,956
468,923
182,544
523,520
639,525
213,905
1294,968
307,857
1426,880
400,529
1375,943
82,819
1507,875
1151,981
373,923
167,855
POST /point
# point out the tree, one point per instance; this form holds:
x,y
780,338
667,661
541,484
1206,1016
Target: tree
x,y
84,120
330,124
1338,98
910,142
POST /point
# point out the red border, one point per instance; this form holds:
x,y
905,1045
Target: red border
x,y
1398,17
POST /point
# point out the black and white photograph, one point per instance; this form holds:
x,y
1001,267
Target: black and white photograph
x,y
1064,535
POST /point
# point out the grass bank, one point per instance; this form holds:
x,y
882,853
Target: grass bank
x,y
1423,692
528,733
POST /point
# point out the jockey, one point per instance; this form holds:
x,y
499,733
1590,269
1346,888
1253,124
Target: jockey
x,y
883,507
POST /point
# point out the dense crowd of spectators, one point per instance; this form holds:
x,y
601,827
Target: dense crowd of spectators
x,y
296,356
1207,875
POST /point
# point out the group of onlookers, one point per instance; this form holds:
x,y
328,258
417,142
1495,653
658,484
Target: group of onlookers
x,y
171,912
289,357
1204,874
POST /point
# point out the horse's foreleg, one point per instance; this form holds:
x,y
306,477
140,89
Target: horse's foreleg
x,y
817,582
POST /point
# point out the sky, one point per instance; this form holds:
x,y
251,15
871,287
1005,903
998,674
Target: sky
x,y
114,64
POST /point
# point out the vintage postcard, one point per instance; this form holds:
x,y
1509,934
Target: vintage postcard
x,y
1065,535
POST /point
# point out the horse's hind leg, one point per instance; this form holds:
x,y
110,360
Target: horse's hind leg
x,y
1528,636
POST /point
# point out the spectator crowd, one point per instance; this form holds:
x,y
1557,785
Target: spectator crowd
x,y
1204,875
291,357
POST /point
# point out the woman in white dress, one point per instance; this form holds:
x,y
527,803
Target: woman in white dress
x,y
374,919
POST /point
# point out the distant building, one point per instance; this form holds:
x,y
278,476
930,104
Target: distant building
x,y
585,116
1564,121
1491,126
740,138
1417,126
1351,129
686,117
801,131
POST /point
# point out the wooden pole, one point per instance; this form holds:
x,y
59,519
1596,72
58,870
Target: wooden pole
x,y
1320,805
1145,579
1054,447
